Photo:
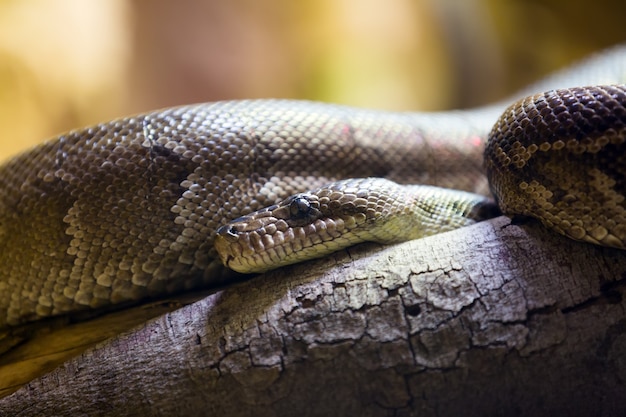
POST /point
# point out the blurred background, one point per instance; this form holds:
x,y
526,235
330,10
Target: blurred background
x,y
69,63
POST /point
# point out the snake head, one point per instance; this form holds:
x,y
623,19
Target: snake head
x,y
295,211
303,226
339,215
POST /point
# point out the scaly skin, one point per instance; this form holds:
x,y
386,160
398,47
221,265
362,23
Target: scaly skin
x,y
128,209
559,157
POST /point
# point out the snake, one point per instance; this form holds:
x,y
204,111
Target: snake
x,y
182,198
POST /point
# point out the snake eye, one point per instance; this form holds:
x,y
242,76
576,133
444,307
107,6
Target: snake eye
x,y
299,207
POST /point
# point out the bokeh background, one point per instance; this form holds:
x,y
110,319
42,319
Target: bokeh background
x,y
70,63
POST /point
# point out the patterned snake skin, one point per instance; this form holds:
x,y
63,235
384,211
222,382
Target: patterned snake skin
x,y
128,209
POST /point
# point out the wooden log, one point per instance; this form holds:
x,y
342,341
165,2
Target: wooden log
x,y
493,319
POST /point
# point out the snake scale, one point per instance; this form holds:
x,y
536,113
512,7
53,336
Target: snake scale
x,y
129,209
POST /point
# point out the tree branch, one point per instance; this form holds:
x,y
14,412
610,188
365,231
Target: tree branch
x,y
493,319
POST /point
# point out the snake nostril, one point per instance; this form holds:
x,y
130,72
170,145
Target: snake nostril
x,y
227,230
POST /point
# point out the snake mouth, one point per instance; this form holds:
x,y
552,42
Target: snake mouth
x,y
226,245
226,256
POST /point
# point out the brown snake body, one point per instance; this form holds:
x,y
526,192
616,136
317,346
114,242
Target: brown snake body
x,y
128,209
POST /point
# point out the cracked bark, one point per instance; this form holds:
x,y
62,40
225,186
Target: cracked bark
x,y
494,319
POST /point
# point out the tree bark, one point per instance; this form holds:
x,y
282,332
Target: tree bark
x,y
493,319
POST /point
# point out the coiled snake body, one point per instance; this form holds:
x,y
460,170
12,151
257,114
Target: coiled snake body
x,y
129,209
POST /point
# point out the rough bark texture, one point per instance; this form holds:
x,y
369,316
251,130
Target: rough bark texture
x,y
494,319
